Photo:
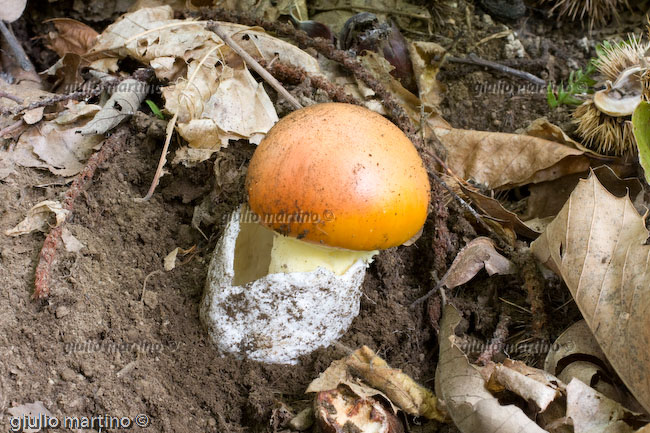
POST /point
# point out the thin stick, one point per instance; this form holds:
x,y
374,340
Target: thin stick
x,y
16,48
163,159
250,61
10,96
473,59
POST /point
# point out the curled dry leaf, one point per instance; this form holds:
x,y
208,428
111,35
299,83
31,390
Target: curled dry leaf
x,y
425,68
396,387
462,387
500,160
38,218
124,102
71,36
576,354
529,383
476,255
596,243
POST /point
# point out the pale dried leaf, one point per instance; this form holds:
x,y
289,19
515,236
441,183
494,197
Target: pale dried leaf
x,y
425,69
122,104
592,412
33,116
75,111
529,383
596,243
169,261
190,157
59,149
71,243
71,36
462,387
210,116
501,160
11,10
38,218
34,410
476,255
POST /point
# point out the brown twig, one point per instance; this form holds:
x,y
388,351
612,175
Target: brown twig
x,y
497,342
48,251
14,98
250,61
473,59
74,96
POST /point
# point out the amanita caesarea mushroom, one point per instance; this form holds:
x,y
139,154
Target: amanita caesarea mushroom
x,y
329,186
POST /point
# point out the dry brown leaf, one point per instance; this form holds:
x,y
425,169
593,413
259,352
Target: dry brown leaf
x,y
462,387
494,209
476,255
500,160
592,412
38,218
57,148
71,36
547,198
596,243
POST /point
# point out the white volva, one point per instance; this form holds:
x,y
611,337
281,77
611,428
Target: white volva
x,y
272,298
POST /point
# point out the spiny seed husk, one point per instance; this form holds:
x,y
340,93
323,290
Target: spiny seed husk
x,y
598,12
615,58
604,134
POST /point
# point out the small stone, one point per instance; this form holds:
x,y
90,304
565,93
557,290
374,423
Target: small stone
x,y
61,311
487,20
68,375
150,299
212,423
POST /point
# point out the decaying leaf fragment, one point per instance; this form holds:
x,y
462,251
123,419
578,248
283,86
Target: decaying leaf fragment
x,y
474,256
462,387
395,386
38,217
340,410
596,244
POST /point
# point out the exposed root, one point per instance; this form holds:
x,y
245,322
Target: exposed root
x,y
48,252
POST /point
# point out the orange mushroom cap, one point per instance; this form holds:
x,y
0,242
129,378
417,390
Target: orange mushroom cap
x,y
339,175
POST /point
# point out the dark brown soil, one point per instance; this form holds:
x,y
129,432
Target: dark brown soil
x,y
96,346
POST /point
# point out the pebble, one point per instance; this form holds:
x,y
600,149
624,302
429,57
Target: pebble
x,y
150,299
514,47
487,20
69,375
61,311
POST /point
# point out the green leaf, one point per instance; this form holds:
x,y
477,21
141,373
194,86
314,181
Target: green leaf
x,y
641,128
154,109
550,97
